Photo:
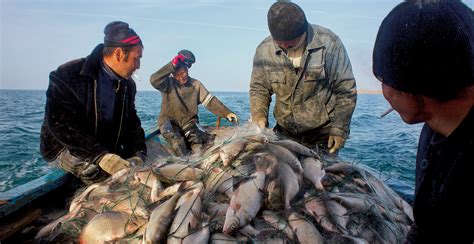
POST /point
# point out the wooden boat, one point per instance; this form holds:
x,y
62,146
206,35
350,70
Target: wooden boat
x,y
46,198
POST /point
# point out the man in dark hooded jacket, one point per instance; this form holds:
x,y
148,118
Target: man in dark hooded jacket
x,y
424,57
181,95
91,127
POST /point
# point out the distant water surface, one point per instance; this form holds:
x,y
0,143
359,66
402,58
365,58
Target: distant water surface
x,y
387,145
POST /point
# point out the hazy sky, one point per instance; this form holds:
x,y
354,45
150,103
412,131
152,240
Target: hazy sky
x,y
39,35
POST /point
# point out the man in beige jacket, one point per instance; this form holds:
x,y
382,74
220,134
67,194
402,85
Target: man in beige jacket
x,y
178,120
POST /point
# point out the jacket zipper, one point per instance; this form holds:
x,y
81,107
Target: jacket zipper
x,y
121,117
95,105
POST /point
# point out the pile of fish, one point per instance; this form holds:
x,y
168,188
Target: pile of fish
x,y
248,187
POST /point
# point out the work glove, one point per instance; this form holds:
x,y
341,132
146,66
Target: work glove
x,y
335,143
261,123
135,161
112,163
177,59
189,58
231,117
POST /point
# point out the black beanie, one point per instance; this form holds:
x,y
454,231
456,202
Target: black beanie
x,y
119,34
286,21
426,48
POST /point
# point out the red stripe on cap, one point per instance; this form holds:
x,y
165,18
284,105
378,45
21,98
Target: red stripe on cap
x,y
135,41
131,40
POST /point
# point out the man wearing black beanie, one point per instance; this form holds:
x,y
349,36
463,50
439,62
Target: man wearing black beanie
x,y
307,68
424,57
91,127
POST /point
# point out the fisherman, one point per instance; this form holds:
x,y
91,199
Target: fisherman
x,y
91,127
178,120
307,68
423,56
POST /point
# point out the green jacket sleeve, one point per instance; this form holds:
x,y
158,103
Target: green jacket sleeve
x,y
160,79
260,90
212,103
344,89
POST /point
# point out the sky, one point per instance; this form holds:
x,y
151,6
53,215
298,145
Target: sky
x,y
39,35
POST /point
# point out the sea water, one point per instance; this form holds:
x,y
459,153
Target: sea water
x,y
387,145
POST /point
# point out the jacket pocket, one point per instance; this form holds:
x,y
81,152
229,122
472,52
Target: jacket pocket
x,y
314,114
277,79
314,73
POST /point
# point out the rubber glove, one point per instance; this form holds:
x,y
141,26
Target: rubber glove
x,y
178,59
112,163
231,117
335,143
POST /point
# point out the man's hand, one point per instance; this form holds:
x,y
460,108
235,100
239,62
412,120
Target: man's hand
x,y
178,59
135,161
112,163
335,143
231,117
261,123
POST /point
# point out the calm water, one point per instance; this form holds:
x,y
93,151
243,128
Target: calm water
x,y
387,145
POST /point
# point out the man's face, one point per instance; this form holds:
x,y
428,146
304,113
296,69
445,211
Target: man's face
x,y
288,45
181,75
409,106
132,62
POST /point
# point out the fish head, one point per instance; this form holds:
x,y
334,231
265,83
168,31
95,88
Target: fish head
x,y
263,161
264,139
231,224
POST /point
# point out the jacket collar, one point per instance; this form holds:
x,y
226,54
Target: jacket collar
x,y
312,40
92,66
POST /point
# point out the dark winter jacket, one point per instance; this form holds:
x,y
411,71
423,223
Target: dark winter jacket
x,y
73,119
444,167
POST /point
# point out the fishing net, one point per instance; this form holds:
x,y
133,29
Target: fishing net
x,y
352,204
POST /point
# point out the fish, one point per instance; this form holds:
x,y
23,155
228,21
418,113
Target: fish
x,y
279,223
247,199
149,178
172,173
259,138
186,219
202,235
220,181
217,209
287,181
49,228
313,172
161,218
220,238
304,230
171,190
297,148
339,214
207,162
109,226
317,208
230,151
284,155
